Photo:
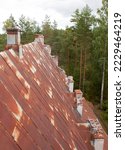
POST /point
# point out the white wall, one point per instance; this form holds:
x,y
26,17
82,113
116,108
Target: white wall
x,y
71,86
80,109
11,39
98,144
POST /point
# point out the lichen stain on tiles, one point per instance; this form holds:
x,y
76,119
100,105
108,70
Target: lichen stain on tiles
x,y
66,115
33,69
27,95
30,106
38,62
85,110
50,67
51,107
56,109
25,62
28,120
40,53
52,120
50,93
59,144
74,147
71,134
18,74
85,141
6,57
70,146
19,114
13,53
3,54
37,81
2,67
44,66
26,84
16,134
20,77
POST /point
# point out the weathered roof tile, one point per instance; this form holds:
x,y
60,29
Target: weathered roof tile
x,y
35,110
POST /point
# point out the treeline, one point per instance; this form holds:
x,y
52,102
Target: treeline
x,y
82,48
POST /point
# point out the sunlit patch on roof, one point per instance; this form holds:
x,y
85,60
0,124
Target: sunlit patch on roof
x,y
51,107
33,69
50,93
36,108
52,120
37,81
59,144
19,114
13,53
16,134
27,95
2,67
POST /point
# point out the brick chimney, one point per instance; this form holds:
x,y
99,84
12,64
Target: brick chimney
x,y
39,38
13,41
13,36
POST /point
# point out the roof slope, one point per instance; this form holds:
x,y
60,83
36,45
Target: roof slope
x,y
35,109
88,112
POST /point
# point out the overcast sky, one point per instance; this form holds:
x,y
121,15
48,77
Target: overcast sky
x,y
59,10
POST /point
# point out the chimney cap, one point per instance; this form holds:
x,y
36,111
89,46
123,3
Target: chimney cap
x,y
78,91
13,38
98,135
39,36
13,30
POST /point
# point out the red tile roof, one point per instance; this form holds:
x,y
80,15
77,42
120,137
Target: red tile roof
x,y
88,114
35,109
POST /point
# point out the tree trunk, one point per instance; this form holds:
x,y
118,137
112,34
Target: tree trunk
x,y
68,61
84,71
102,88
80,76
75,63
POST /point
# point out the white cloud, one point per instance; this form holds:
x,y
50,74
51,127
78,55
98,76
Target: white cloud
x,y
94,4
59,10
65,7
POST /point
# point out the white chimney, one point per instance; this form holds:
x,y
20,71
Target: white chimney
x,y
39,38
80,108
48,49
79,101
13,41
20,51
70,83
55,59
97,134
98,144
13,36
